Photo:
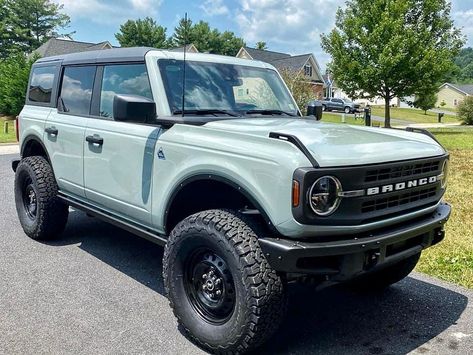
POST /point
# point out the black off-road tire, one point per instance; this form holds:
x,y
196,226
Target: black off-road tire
x,y
35,176
259,293
379,280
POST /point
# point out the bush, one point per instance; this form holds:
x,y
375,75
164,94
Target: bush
x,y
301,89
465,110
14,74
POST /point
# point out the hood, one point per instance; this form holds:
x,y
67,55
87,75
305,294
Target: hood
x,y
339,144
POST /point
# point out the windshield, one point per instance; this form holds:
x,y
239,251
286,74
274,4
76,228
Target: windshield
x,y
225,88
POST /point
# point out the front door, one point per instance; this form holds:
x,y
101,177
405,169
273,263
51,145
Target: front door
x,y
119,156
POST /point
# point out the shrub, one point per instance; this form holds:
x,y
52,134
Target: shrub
x,y
301,89
465,110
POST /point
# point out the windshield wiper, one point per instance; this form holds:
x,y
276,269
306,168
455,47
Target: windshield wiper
x,y
269,112
204,112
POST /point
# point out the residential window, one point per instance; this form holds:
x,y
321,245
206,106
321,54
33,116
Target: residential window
x,y
76,89
128,79
307,70
41,85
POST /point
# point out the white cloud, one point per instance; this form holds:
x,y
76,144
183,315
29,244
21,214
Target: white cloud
x,y
292,26
214,7
110,12
464,20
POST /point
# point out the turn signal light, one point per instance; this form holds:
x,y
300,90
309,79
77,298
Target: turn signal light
x,y
295,193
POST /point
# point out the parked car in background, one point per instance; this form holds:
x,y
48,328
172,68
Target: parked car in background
x,y
344,105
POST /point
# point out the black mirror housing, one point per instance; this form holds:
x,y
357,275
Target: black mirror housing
x,y
314,108
133,108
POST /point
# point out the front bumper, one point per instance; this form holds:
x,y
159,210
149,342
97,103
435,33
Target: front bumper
x,y
344,259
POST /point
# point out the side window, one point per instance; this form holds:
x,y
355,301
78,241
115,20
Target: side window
x,y
41,85
76,89
130,79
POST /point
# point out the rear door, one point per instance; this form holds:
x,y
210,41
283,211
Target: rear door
x,y
119,156
65,127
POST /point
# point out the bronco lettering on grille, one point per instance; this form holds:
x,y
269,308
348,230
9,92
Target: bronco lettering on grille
x,y
402,185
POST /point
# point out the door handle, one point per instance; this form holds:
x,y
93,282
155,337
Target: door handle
x,y
51,130
95,139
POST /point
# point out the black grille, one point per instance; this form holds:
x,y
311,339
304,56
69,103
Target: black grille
x,y
407,170
398,200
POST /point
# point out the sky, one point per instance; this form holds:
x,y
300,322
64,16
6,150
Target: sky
x,y
290,26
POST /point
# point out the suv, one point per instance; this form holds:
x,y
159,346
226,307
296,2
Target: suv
x,y
211,158
344,105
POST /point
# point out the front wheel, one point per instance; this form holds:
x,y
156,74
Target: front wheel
x,y
347,110
379,280
220,286
324,108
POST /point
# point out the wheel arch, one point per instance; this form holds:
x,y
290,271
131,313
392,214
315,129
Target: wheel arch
x,y
218,184
32,145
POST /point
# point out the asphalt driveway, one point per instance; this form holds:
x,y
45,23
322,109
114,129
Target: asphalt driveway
x,y
99,290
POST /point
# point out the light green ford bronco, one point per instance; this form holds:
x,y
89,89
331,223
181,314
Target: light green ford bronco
x,y
212,159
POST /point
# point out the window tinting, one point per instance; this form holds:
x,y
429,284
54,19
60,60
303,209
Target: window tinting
x,y
41,84
76,89
129,79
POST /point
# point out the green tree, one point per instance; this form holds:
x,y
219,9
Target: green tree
x,y
300,89
26,24
465,110
205,38
261,45
142,32
181,31
425,101
392,48
14,74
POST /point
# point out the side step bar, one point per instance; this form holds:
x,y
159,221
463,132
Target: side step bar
x,y
115,220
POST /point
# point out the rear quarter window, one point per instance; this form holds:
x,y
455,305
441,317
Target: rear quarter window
x,y
41,84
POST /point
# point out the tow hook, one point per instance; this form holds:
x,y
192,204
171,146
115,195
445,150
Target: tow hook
x,y
372,258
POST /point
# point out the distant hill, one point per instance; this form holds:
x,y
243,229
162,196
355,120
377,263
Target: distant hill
x,y
463,72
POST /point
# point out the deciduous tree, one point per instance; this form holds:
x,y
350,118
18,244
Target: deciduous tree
x,y
392,48
425,101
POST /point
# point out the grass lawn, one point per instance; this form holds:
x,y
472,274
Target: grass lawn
x,y
452,259
334,118
413,115
10,137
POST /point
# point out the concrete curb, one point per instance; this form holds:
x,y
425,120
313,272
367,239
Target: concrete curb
x,y
9,149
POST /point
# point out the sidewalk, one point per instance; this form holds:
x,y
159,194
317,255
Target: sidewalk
x,y
9,148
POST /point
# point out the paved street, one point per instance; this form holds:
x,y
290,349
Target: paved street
x,y
99,290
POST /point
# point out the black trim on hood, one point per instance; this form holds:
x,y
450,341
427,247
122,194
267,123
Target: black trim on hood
x,y
294,140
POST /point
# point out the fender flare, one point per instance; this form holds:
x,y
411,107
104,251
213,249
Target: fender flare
x,y
33,137
201,177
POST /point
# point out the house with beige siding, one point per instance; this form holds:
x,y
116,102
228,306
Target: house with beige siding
x,y
304,65
450,95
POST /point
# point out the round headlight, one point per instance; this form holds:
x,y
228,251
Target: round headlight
x,y
324,196
444,174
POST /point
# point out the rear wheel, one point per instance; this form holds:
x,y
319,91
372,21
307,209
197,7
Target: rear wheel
x,y
221,288
383,278
42,215
324,108
347,110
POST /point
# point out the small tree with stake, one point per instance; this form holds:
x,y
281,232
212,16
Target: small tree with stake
x,y
392,48
425,101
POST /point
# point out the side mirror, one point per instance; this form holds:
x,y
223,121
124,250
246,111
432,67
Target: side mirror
x,y
314,108
133,108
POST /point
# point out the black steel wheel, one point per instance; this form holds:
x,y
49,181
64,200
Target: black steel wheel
x,y
30,203
42,215
209,286
222,290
